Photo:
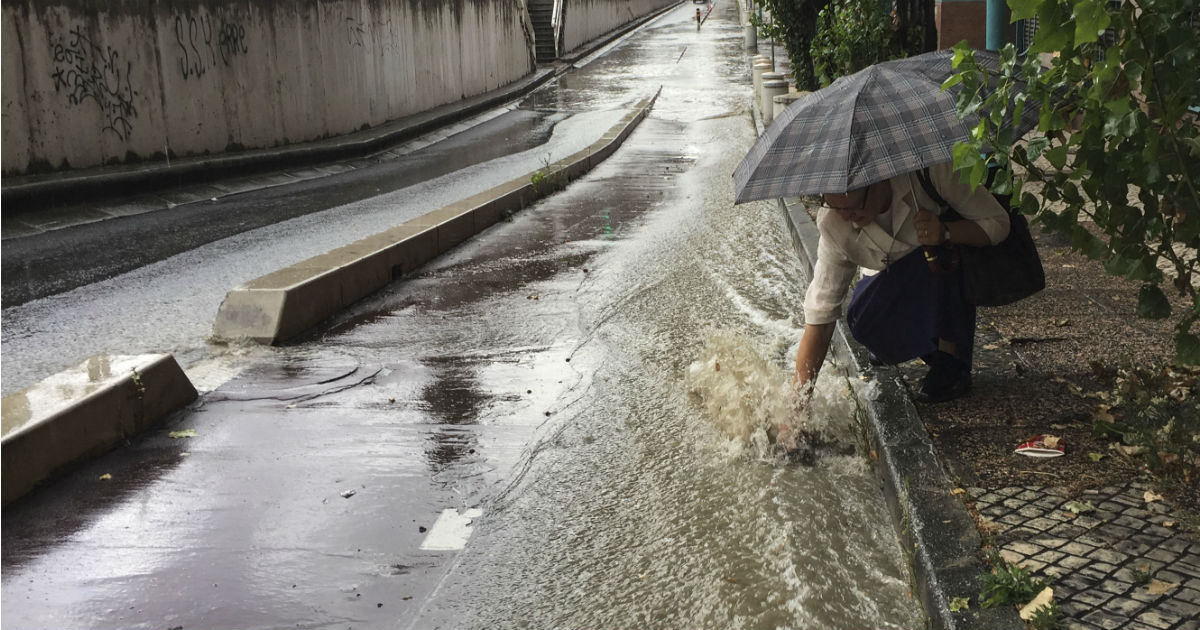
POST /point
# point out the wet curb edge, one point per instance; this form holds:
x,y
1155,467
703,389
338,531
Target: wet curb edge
x,y
283,304
120,406
939,535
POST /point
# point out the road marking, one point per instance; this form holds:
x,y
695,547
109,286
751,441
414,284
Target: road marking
x,y
451,530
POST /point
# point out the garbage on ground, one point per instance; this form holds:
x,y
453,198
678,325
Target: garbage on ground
x,y
1043,599
1042,446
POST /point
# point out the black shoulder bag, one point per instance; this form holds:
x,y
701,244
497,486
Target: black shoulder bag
x,y
999,274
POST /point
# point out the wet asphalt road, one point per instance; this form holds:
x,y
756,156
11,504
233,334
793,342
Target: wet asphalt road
x,y
57,261
510,437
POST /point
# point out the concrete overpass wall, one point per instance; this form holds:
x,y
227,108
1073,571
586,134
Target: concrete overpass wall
x,y
585,20
90,82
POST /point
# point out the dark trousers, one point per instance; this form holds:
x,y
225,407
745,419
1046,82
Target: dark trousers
x,y
900,313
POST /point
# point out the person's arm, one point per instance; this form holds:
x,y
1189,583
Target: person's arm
x,y
814,345
933,231
986,221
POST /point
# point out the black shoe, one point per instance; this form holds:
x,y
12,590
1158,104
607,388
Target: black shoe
x,y
948,378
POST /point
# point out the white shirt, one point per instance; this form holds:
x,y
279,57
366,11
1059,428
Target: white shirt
x,y
842,247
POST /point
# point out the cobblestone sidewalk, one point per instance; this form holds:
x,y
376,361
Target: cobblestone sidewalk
x,y
1120,562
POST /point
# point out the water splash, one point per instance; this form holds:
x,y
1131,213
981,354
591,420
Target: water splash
x,y
752,401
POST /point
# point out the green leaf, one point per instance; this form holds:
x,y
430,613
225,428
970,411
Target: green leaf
x,y
1152,304
1090,21
1054,30
1057,156
1088,244
954,80
1024,9
1029,203
958,604
1187,348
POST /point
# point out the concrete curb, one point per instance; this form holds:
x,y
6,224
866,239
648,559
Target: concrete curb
x,y
282,304
83,412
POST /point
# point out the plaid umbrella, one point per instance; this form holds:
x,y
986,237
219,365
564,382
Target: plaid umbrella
x,y
888,119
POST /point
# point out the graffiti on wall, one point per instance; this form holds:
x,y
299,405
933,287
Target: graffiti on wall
x,y
356,30
86,71
203,40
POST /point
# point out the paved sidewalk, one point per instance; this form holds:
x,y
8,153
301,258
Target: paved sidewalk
x,y
1119,566
1114,558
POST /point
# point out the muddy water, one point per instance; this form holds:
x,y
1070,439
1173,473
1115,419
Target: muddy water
x,y
638,329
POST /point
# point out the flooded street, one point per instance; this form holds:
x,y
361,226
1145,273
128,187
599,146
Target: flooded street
x,y
648,495
560,424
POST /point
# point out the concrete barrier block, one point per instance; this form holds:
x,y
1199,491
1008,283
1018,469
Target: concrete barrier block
x,y
413,246
250,314
83,412
454,225
285,303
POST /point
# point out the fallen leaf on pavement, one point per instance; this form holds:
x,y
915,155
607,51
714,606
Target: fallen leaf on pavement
x,y
105,477
1129,450
958,491
1158,587
1080,507
185,433
1043,599
1152,496
1095,457
959,603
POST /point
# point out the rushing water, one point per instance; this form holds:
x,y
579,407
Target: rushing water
x,y
591,382
652,496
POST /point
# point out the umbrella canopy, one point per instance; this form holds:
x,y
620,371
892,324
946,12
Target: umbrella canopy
x,y
888,119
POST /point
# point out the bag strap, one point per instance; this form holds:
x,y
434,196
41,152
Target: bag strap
x,y
931,257
932,191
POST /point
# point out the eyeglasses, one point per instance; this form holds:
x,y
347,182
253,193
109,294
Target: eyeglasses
x,y
861,205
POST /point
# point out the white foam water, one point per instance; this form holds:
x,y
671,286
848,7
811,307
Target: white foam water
x,y
751,398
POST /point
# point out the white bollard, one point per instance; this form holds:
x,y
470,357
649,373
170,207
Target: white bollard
x,y
781,102
764,101
760,67
772,89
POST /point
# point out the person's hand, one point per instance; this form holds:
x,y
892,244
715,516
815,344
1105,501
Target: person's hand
x,y
930,230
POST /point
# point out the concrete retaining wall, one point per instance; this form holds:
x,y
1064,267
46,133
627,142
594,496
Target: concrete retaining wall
x,y
88,83
585,20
